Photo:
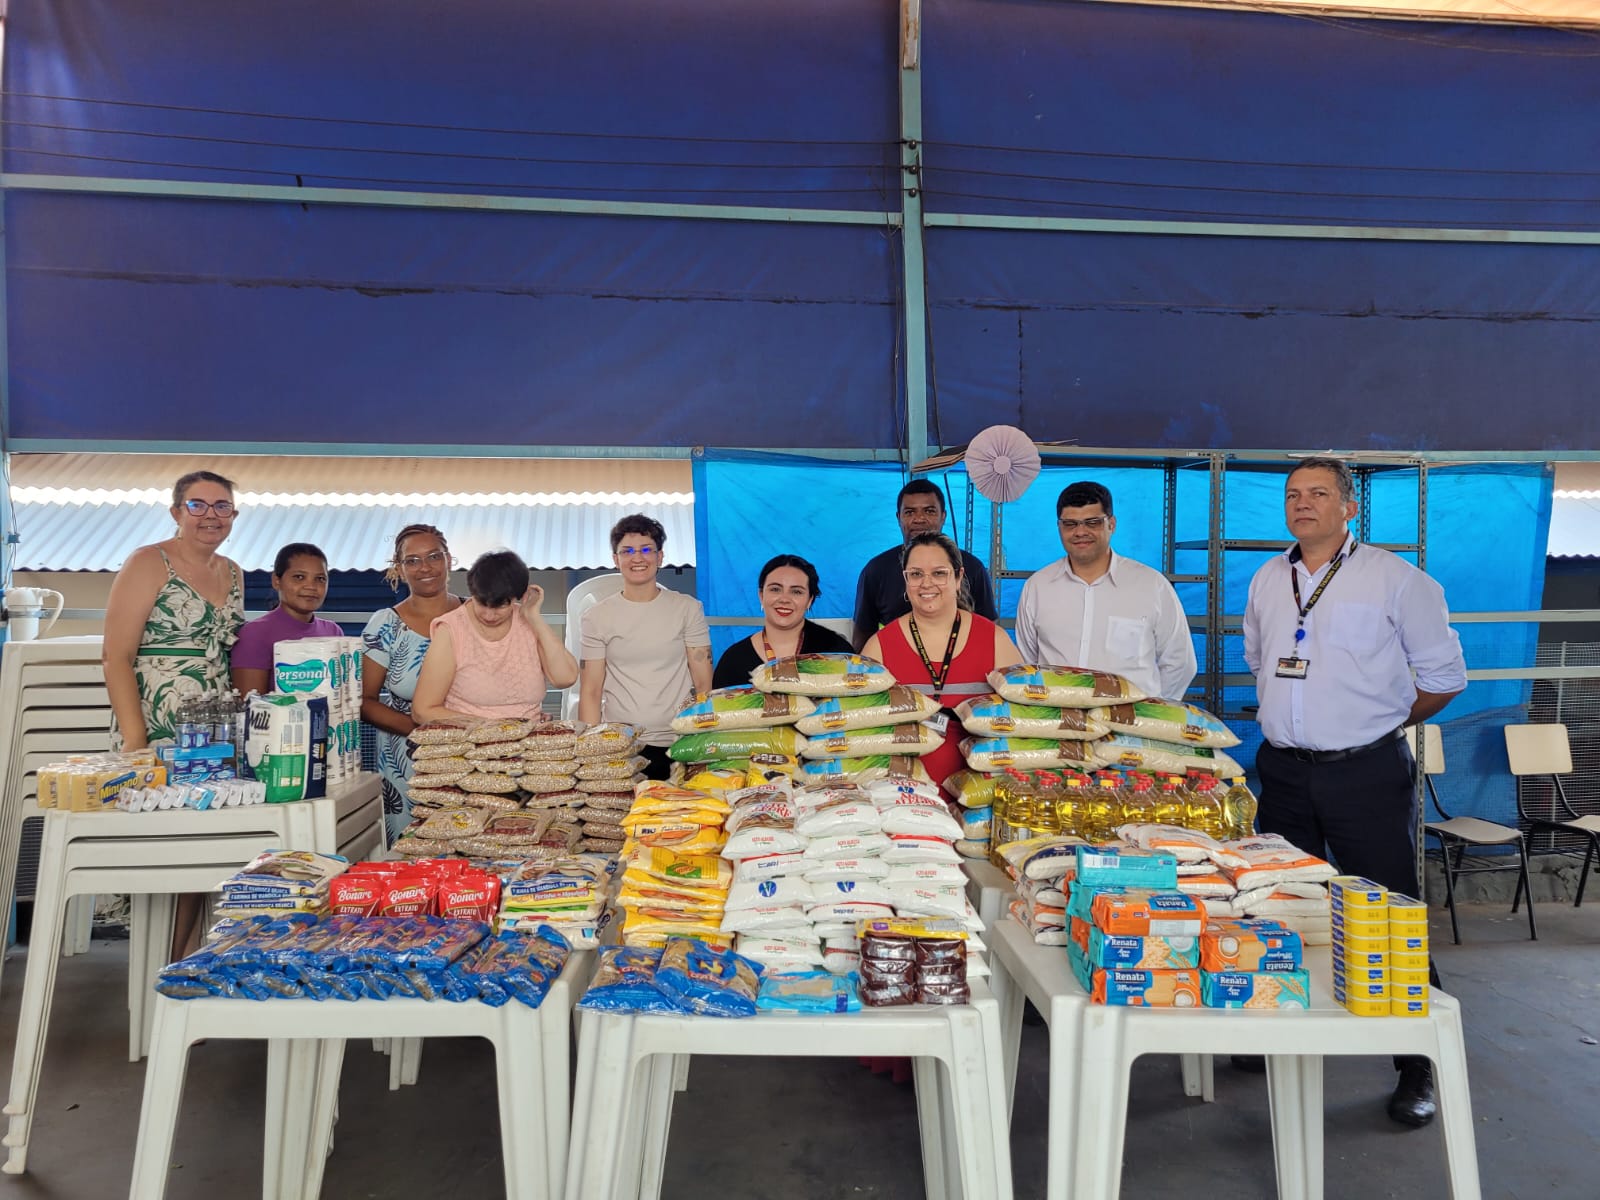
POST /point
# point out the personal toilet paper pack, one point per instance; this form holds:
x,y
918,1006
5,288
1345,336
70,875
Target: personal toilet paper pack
x,y
286,745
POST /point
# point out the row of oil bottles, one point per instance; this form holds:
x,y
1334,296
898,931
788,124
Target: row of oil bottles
x,y
1041,803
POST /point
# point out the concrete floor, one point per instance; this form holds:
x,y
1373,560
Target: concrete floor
x,y
815,1130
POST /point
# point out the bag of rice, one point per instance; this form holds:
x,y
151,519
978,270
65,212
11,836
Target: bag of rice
x,y
715,779
1062,687
995,716
740,708
997,754
823,675
916,739
836,714
1167,721
1121,750
873,766
970,789
736,743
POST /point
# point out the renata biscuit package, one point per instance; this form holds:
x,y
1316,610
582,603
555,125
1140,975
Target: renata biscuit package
x,y
1257,989
1147,989
1247,946
1108,865
1143,913
1141,953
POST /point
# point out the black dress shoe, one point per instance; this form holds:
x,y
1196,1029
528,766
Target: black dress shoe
x,y
1254,1063
1412,1103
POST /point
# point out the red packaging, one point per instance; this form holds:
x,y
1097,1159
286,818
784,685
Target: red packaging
x,y
408,895
358,895
473,896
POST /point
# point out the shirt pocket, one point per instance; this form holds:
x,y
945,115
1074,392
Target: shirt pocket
x,y
1129,639
1360,630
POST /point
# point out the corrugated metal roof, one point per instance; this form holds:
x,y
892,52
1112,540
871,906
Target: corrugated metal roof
x,y
98,536
1575,527
311,475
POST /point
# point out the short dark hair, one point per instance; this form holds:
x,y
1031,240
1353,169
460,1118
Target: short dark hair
x,y
498,578
1340,469
185,482
799,564
294,550
920,487
644,526
1082,494
952,552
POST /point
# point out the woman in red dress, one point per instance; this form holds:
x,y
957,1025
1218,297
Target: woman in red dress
x,y
941,647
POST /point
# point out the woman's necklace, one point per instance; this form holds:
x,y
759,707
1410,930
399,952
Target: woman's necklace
x,y
766,646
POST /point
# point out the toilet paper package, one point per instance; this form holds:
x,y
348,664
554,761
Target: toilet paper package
x,y
329,668
286,745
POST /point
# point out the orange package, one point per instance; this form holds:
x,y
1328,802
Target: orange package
x,y
1080,934
1147,988
1145,913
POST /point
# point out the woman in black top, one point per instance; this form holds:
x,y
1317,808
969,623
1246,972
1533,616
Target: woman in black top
x,y
788,588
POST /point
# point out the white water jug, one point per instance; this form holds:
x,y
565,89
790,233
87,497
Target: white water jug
x,y
25,608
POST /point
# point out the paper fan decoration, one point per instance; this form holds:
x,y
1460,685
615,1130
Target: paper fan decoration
x,y
1001,462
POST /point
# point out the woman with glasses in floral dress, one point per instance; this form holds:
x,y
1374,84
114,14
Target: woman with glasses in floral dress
x,y
395,642
646,651
940,647
174,610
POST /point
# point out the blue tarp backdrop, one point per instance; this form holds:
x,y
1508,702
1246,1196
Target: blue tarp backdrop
x,y
203,320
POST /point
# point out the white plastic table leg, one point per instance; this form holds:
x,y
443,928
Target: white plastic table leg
x,y
324,1111
163,1092
931,1126
1455,1104
1102,1108
410,1060
1296,1125
977,1092
1063,1018
1011,998
38,986
554,1032
77,926
601,1134
660,1087
680,1072
138,932
159,915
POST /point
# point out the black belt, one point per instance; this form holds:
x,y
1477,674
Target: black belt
x,y
1329,756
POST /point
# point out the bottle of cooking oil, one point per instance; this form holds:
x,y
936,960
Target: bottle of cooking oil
x,y
1069,803
1102,808
1047,803
1239,807
1138,800
1023,803
1204,811
1171,806
1000,830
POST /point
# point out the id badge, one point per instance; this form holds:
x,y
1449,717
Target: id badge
x,y
939,722
1292,668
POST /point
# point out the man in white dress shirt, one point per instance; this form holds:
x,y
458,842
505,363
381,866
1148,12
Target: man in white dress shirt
x,y
1099,610
1349,644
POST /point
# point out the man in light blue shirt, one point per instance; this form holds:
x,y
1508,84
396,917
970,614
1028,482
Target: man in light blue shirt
x,y
1349,644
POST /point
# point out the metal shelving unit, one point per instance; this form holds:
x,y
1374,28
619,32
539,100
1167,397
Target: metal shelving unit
x,y
1213,622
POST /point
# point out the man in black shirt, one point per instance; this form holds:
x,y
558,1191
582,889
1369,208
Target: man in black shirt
x,y
881,590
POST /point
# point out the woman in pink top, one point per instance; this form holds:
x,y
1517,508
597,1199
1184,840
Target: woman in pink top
x,y
490,658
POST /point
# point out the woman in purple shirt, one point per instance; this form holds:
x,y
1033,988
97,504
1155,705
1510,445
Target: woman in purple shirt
x,y
300,577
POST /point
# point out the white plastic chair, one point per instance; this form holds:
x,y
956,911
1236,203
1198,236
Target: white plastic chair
x,y
1458,833
1545,750
305,1051
628,1066
579,600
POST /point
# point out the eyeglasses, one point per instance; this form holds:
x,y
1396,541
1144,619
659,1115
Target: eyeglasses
x,y
199,508
1090,523
433,558
939,575
641,551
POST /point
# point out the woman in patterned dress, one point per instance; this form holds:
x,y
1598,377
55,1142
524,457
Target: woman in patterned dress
x,y
396,641
174,609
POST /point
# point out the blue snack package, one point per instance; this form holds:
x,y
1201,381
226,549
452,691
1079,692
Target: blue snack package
x,y
325,985
809,992
707,981
625,981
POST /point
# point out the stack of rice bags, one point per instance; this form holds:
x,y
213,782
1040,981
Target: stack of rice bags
x,y
1042,869
673,882
1011,728
1276,879
810,862
858,724
1167,737
733,737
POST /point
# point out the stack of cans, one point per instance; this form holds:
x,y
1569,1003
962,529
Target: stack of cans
x,y
1380,949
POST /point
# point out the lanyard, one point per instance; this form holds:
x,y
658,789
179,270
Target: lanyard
x,y
766,646
1304,610
943,672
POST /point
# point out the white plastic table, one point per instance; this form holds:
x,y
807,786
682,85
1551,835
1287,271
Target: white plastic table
x,y
628,1066
1090,1058
153,857
305,1049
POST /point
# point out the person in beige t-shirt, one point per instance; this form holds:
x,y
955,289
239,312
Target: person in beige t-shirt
x,y
645,651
